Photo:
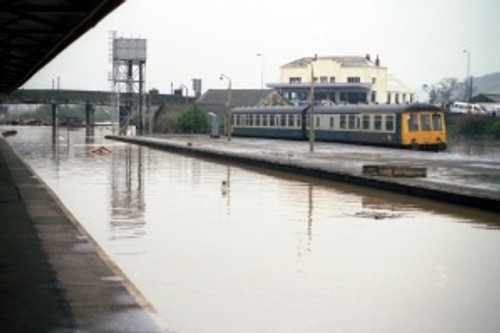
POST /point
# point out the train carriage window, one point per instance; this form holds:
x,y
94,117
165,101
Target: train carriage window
x,y
358,122
237,120
413,122
425,121
331,122
377,124
308,121
282,120
290,120
257,120
298,121
250,120
271,120
342,121
352,121
437,122
366,122
265,120
389,122
317,122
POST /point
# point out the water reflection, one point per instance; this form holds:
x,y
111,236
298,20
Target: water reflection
x,y
127,193
481,149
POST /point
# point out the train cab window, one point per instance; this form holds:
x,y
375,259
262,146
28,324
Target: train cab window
x,y
352,121
413,122
342,121
389,123
366,122
331,122
437,122
290,120
377,124
425,122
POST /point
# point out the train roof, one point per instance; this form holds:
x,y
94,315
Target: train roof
x,y
344,108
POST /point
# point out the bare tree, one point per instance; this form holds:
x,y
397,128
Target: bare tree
x,y
445,91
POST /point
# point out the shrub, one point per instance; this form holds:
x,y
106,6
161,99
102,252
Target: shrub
x,y
192,120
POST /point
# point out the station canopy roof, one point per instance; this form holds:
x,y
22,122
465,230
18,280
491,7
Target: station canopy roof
x,y
33,32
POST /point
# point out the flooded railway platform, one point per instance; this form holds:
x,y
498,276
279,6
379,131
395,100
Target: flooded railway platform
x,y
463,180
224,246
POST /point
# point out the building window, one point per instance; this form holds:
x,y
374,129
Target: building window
x,y
374,80
332,79
374,96
397,98
323,79
294,80
353,79
388,98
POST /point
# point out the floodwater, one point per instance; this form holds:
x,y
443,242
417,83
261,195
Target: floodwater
x,y
270,252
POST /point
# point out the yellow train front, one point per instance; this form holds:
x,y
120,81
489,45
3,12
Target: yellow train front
x,y
416,126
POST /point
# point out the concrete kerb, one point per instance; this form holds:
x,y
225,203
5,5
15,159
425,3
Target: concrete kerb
x,y
446,193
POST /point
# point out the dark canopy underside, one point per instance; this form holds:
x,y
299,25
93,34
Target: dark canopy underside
x,y
33,32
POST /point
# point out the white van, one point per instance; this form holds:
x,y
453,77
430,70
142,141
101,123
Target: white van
x,y
464,107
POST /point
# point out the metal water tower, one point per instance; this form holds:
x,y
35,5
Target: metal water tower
x,y
129,61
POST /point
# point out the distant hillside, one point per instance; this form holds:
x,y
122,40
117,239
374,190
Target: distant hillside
x,y
489,83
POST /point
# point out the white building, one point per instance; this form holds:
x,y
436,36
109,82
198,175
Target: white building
x,y
349,79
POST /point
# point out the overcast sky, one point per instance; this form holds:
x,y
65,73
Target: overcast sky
x,y
420,41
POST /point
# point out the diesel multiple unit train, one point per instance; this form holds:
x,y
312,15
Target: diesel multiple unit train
x,y
416,126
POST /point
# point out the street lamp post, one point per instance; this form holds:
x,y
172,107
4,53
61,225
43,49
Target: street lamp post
x,y
187,102
228,106
311,109
261,69
468,80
